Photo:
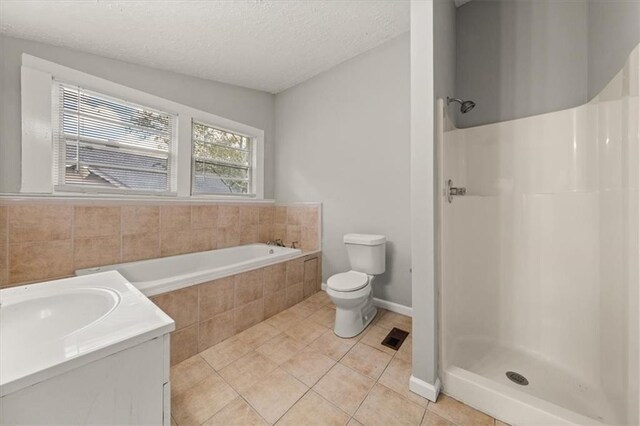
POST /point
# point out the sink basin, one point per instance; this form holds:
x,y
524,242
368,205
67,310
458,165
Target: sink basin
x,y
53,327
54,316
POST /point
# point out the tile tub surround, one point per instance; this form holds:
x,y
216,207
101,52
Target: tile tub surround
x,y
208,313
292,370
43,238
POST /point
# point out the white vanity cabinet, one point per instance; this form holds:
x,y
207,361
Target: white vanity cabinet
x,y
114,370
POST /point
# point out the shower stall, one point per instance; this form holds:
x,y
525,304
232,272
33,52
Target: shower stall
x,y
539,263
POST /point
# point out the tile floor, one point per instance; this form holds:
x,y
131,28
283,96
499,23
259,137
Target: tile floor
x,y
292,370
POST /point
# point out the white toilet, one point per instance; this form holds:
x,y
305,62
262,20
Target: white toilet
x,y
351,291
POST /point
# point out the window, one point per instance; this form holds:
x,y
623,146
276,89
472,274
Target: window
x,y
103,144
222,161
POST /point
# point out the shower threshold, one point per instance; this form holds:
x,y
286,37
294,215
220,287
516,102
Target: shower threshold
x,y
551,395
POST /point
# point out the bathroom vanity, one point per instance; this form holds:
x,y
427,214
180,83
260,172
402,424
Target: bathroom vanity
x,y
83,350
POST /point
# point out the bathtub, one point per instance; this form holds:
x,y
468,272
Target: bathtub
x,y
155,276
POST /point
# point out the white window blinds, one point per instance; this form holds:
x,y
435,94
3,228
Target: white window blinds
x,y
222,161
103,144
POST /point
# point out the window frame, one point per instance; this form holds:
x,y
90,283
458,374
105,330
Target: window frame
x,y
37,159
250,168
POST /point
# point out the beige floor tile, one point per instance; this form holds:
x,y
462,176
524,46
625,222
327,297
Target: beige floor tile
x,y
224,353
189,373
354,422
258,334
374,337
432,419
202,401
333,346
385,407
306,331
284,320
392,319
499,423
405,352
367,360
321,297
344,387
281,348
312,409
246,371
396,377
173,422
325,316
308,366
275,394
459,413
237,413
305,308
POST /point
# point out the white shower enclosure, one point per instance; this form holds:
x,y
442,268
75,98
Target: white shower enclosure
x,y
540,264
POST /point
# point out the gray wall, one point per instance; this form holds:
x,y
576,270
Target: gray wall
x,y
343,139
614,30
520,58
247,106
444,49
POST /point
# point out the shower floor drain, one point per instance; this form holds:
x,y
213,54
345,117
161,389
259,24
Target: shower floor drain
x,y
517,378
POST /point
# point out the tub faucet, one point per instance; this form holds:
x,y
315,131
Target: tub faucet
x,y
277,243
293,244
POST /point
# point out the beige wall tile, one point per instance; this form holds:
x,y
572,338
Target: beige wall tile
x,y
275,303
294,272
458,413
312,409
40,260
249,234
248,287
238,412
228,217
216,297
184,344
366,360
396,377
308,366
309,239
266,214
175,217
294,215
89,252
275,278
275,394
280,215
249,215
310,217
4,251
344,387
249,314
311,269
140,219
294,294
91,221
189,373
39,223
280,348
227,237
215,330
294,235
202,401
224,353
265,232
204,217
383,407
175,241
140,246
333,346
245,372
202,240
279,232
181,305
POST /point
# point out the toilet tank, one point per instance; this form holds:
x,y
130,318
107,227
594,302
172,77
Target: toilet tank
x,y
366,252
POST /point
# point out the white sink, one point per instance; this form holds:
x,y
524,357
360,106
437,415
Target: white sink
x,y
49,328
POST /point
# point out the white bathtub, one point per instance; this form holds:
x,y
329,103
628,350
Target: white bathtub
x,y
155,276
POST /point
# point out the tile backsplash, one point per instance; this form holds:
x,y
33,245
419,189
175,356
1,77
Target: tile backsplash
x,y
46,239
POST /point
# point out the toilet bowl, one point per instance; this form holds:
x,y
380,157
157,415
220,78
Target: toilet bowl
x,y
352,291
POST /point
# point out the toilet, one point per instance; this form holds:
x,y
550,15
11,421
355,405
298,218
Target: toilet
x,y
352,291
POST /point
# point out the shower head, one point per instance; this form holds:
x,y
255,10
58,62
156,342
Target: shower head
x,y
465,106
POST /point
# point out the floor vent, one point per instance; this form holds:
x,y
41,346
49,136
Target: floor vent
x,y
395,338
517,378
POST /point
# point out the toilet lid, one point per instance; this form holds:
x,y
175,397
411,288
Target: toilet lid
x,y
348,281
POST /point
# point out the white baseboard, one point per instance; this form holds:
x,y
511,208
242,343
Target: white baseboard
x,y
424,389
385,304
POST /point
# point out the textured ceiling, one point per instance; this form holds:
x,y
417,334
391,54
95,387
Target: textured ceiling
x,y
265,45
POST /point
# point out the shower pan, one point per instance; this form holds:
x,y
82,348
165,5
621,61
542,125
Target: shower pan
x,y
540,264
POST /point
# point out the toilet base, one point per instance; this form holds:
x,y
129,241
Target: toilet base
x,y
351,322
